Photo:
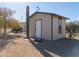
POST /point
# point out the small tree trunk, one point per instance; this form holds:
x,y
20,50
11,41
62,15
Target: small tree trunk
x,y
4,25
70,35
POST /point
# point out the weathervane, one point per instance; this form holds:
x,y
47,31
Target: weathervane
x,y
37,8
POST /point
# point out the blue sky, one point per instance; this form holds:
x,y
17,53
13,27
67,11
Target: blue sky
x,y
67,9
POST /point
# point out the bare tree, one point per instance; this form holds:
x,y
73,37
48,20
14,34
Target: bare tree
x,y
6,13
71,29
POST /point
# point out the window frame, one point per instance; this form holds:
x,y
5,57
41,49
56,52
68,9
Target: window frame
x,y
59,25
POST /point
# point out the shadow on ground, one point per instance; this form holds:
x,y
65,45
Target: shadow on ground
x,y
63,47
9,38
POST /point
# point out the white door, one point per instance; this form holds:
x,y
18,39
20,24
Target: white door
x,y
38,28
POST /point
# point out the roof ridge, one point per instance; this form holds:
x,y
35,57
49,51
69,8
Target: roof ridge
x,y
50,13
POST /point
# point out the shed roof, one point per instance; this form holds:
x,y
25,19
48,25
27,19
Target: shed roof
x,y
50,14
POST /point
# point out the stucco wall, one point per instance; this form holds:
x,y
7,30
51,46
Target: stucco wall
x,y
56,34
46,25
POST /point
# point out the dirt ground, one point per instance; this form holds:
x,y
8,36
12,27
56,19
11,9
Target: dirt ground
x,y
15,45
18,46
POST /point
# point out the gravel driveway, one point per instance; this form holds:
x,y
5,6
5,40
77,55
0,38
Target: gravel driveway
x,y
59,48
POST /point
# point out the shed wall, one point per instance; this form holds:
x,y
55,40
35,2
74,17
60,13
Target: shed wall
x,y
46,25
56,34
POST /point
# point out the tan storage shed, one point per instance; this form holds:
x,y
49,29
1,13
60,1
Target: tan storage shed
x,y
47,26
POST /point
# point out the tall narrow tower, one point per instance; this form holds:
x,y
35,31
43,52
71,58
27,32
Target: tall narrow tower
x,y
27,22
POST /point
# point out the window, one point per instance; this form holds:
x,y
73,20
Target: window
x,y
59,25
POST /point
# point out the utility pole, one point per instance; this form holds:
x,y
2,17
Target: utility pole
x,y
21,17
27,22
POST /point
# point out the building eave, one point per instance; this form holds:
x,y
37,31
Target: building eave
x,y
50,14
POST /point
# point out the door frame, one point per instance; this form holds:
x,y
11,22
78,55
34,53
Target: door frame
x,y
41,26
51,27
